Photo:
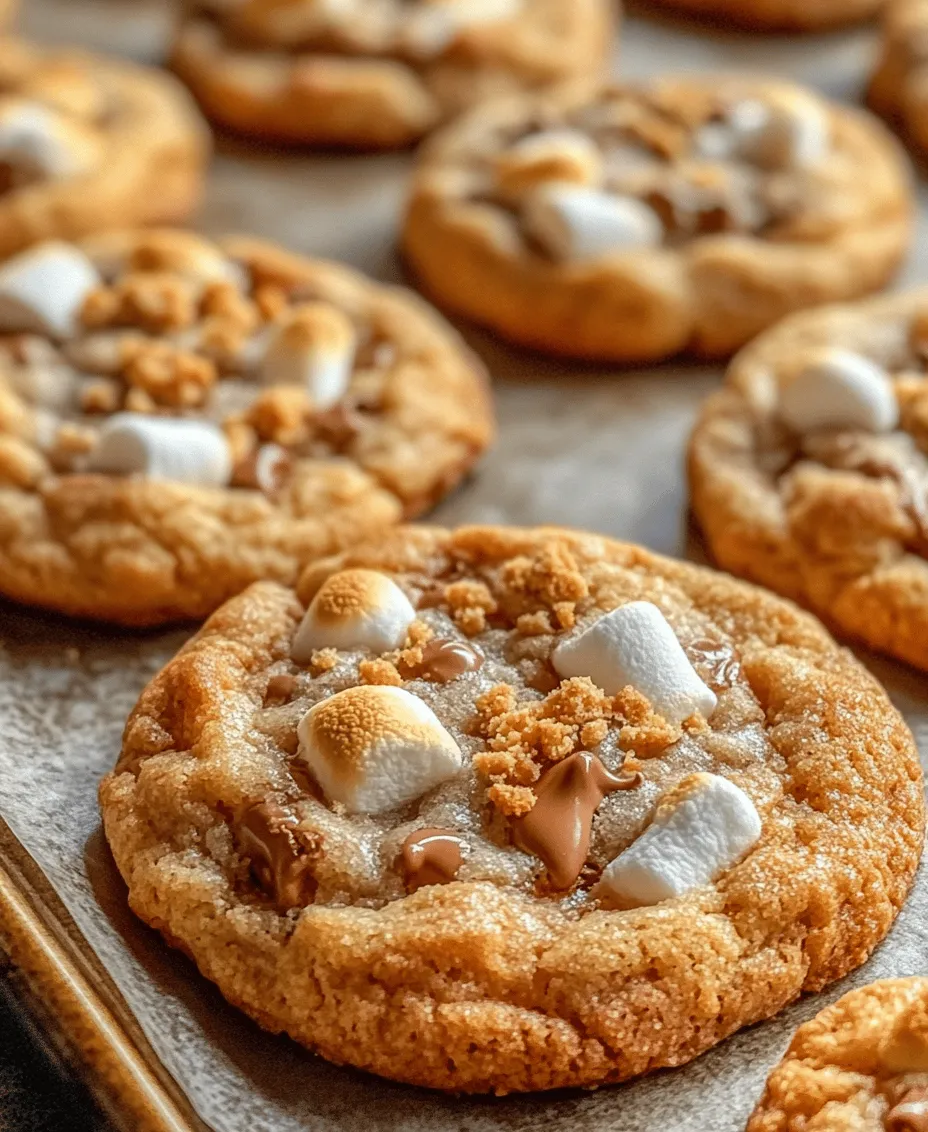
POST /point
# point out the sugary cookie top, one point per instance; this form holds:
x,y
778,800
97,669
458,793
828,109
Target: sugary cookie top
x,y
586,174
547,714
860,1064
820,440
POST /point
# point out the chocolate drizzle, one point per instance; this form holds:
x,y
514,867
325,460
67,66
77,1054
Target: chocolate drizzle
x,y
445,660
430,856
282,857
910,1113
558,827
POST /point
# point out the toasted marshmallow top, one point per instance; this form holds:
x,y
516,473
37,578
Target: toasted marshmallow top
x,y
355,609
314,348
373,748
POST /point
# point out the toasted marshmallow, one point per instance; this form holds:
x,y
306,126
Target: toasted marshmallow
x,y
42,144
373,748
705,826
839,389
159,448
314,348
568,156
576,223
44,289
634,645
792,131
432,27
354,609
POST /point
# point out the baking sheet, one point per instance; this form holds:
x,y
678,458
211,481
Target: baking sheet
x,y
579,446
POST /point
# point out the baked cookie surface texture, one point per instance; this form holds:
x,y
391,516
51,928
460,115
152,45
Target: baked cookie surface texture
x,y
859,1066
179,418
88,142
377,74
630,224
808,470
502,809
778,15
899,85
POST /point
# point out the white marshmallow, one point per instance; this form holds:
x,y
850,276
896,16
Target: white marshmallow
x,y
793,132
315,348
354,609
572,222
839,389
705,827
44,289
35,138
431,28
159,448
635,645
373,748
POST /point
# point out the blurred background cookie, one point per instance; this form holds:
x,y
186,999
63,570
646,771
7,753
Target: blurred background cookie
x,y
630,223
899,85
374,74
179,418
778,15
90,142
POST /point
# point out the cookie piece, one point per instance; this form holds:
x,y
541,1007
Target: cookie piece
x,y
377,74
777,15
861,1065
89,143
899,85
628,224
453,864
179,418
808,470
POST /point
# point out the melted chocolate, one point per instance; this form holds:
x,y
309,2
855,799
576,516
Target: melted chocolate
x,y
446,660
910,1113
558,827
431,856
281,857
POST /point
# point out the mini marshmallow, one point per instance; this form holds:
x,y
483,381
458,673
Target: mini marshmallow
x,y
705,826
373,748
432,27
314,348
42,143
568,156
159,448
839,389
44,289
792,131
576,223
635,645
354,609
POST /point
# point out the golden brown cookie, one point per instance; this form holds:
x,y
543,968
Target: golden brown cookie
x,y
899,85
778,15
859,1066
500,809
88,143
8,10
376,74
629,224
179,418
808,470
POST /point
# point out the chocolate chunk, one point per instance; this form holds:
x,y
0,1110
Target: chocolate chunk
x,y
558,827
910,1113
444,661
430,856
282,857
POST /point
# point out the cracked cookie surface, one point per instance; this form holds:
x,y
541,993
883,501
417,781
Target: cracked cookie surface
x,y
196,416
89,142
424,857
632,223
859,1066
832,514
377,74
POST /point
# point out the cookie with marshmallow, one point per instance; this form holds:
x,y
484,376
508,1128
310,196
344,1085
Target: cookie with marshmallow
x,y
73,167
203,428
807,470
500,850
680,215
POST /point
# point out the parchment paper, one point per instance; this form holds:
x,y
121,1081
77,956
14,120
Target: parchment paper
x,y
584,447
